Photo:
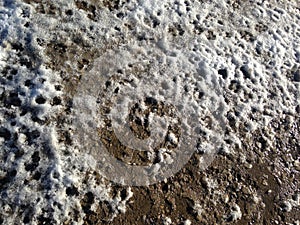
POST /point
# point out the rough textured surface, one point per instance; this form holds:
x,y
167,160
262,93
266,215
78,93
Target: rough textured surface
x,y
253,47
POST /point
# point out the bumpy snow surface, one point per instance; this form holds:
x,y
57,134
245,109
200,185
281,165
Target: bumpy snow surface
x,y
72,71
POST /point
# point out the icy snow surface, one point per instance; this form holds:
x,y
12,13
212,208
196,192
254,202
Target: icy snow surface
x,y
211,59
